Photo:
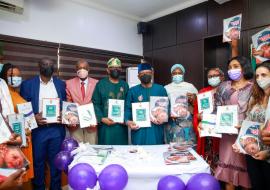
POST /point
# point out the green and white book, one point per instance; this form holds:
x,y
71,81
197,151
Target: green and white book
x,y
87,115
116,110
51,109
16,122
140,114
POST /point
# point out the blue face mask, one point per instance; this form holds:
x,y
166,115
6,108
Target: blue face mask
x,y
14,81
178,79
214,81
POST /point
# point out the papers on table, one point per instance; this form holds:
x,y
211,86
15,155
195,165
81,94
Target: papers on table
x,y
232,28
70,114
261,43
205,102
159,109
227,119
27,110
248,140
116,110
140,114
87,115
51,109
5,132
16,122
208,126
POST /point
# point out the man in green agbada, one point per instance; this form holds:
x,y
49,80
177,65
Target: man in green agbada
x,y
111,87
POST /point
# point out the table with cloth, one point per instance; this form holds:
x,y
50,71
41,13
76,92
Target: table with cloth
x,y
145,167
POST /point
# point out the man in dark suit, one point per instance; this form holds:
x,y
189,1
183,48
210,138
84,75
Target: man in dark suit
x,y
47,138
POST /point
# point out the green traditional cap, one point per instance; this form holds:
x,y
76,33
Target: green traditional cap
x,y
114,62
1,48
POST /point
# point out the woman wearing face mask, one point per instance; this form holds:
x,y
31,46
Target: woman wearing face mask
x,y
12,75
208,147
180,130
258,166
231,167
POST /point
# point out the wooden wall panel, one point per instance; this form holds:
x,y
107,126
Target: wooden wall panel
x,y
26,53
192,23
259,13
164,31
193,62
163,59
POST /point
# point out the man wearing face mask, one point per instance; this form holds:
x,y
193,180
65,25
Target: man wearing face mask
x,y
181,129
141,93
112,87
47,138
80,90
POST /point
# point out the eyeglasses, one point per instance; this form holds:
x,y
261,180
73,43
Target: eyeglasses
x,y
212,76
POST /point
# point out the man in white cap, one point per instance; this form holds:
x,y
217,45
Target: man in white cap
x,y
180,129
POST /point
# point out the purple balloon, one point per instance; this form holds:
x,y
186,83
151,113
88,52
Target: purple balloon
x,y
113,177
203,181
82,176
69,144
171,183
62,160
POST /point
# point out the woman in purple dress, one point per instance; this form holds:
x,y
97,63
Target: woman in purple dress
x,y
232,166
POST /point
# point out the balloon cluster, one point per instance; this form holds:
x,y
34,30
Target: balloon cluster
x,y
201,181
83,176
64,158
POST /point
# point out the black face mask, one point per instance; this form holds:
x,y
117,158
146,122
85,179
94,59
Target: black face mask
x,y
115,74
47,71
146,79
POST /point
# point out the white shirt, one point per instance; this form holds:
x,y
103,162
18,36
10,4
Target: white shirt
x,y
182,88
46,90
5,98
85,83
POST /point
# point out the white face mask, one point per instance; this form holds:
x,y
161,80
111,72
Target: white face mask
x,y
82,73
14,81
214,81
264,83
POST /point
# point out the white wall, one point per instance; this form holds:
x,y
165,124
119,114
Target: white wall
x,y
64,21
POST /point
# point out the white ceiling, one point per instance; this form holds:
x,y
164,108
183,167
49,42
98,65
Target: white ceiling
x,y
140,10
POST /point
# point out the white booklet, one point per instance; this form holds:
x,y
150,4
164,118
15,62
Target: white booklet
x,y
70,114
205,102
261,43
248,140
87,115
116,110
208,126
179,105
29,118
16,122
5,132
159,107
227,119
51,109
140,114
232,28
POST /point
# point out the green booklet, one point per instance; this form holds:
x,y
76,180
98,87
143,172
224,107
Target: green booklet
x,y
116,110
16,122
51,109
227,119
140,114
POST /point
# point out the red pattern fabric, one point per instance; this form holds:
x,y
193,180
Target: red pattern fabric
x,y
201,141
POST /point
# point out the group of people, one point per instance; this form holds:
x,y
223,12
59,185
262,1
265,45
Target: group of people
x,y
250,93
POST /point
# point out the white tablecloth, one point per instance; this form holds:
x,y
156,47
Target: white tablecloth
x,y
145,170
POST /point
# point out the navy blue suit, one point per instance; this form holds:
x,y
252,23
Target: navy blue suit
x,y
47,139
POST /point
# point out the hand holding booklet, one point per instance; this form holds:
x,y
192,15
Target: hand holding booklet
x,y
51,109
140,114
208,126
227,119
248,140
